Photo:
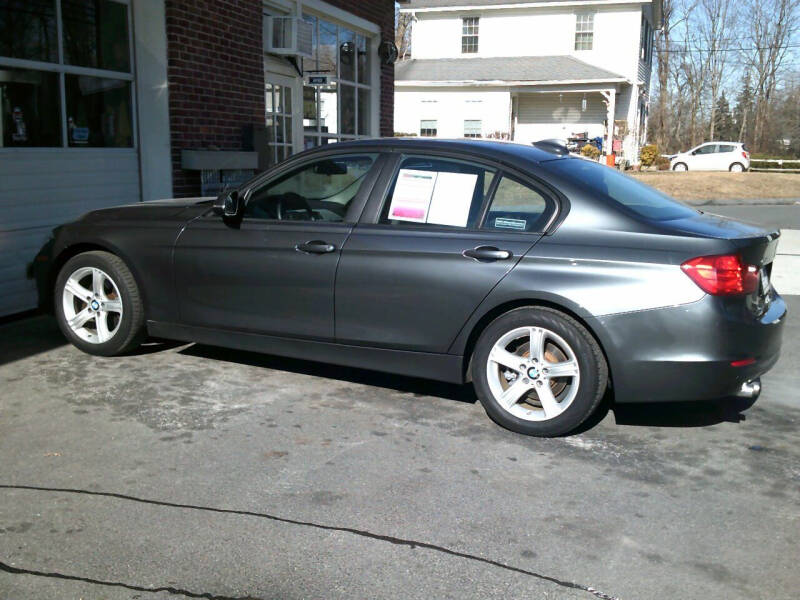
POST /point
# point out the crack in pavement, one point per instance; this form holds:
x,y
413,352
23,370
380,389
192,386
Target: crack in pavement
x,y
137,588
358,532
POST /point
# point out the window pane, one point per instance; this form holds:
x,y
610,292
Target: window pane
x,y
472,128
327,48
310,142
310,108
29,108
328,115
348,114
321,191
310,64
28,30
610,183
287,100
427,128
363,112
96,34
362,48
347,55
515,207
433,191
268,98
98,112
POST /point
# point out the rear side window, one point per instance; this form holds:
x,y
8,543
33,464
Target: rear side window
x,y
431,191
608,183
515,207
726,148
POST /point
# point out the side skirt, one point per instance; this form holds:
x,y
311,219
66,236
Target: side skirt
x,y
441,367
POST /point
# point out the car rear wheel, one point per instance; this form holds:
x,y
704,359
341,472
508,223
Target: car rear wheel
x,y
98,305
737,168
539,372
680,167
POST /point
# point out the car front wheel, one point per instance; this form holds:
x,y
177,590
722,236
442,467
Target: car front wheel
x,y
538,371
97,303
680,167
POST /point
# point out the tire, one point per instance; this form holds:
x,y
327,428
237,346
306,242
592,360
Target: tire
x,y
680,167
736,168
101,313
573,397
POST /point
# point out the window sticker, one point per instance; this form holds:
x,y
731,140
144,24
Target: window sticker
x,y
506,223
452,198
412,195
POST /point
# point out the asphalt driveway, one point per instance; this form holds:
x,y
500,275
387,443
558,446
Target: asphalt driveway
x,y
209,473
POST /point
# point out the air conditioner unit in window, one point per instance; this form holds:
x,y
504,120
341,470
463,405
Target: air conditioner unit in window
x,y
289,36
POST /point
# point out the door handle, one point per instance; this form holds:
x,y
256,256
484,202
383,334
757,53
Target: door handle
x,y
315,247
487,253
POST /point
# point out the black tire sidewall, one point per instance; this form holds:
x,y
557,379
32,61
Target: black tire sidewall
x,y
101,261
590,372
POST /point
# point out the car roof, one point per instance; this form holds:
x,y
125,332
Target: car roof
x,y
501,151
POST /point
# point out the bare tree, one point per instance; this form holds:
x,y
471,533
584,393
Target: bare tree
x,y
715,26
402,34
766,41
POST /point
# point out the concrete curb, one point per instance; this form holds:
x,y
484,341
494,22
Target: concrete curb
x,y
743,201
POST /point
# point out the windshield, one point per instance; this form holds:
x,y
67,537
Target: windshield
x,y
627,191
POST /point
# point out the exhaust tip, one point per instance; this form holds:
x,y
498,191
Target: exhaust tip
x,y
750,389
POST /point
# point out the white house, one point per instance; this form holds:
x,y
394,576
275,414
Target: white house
x,y
528,70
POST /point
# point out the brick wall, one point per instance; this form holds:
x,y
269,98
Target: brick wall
x,y
215,75
216,79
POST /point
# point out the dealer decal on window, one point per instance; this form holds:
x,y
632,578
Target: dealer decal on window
x,y
506,223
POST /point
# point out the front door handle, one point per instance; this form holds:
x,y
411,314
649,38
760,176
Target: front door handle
x,y
315,247
487,253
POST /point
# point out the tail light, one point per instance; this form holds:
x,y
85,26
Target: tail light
x,y
744,155
722,275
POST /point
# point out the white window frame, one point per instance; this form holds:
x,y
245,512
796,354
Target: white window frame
x,y
584,31
470,132
340,20
435,127
64,69
470,30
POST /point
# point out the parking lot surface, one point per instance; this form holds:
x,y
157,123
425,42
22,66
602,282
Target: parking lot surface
x,y
198,472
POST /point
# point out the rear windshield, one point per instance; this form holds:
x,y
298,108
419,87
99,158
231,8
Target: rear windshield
x,y
627,191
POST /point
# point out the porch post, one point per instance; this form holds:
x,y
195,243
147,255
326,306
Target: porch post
x,y
611,104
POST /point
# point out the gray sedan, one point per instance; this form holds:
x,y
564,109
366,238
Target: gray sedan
x,y
545,280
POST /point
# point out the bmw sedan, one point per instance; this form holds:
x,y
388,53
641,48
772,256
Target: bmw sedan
x,y
543,279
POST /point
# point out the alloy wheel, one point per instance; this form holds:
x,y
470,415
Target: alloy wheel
x,y
92,305
533,373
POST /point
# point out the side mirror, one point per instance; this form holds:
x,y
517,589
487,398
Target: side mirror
x,y
694,152
228,204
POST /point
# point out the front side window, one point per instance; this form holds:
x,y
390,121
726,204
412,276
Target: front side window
x,y
319,191
472,128
428,128
584,31
707,149
515,207
469,35
430,191
98,107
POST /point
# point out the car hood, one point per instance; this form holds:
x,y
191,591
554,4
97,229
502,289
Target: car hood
x,y
150,210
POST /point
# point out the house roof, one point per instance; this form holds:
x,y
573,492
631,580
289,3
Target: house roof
x,y
502,68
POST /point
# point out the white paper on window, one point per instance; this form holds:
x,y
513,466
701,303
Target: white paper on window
x,y
452,198
412,195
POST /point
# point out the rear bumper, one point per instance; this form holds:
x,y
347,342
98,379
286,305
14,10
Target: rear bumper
x,y
685,352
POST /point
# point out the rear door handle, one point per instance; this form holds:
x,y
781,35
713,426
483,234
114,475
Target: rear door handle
x,y
315,247
487,253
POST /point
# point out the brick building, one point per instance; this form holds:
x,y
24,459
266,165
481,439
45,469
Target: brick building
x,y
106,102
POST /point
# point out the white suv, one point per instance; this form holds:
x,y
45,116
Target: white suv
x,y
713,156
